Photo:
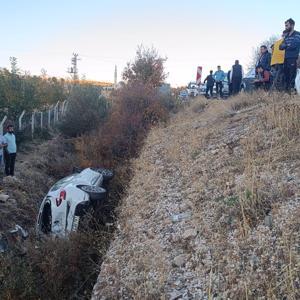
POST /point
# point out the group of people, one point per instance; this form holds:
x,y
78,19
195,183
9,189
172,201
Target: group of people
x,y
234,77
8,150
276,69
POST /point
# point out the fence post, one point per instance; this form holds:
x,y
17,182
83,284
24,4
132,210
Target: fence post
x,y
20,120
63,108
56,112
41,119
49,117
32,124
1,124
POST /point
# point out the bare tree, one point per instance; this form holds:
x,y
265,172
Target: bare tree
x,y
148,67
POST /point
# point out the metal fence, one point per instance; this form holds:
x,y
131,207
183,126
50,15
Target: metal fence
x,y
38,120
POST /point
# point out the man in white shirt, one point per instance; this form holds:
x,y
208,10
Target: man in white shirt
x,y
10,151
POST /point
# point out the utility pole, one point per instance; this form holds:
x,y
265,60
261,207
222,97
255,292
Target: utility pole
x,y
74,69
116,78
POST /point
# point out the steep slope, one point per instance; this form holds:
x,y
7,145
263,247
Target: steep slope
x,y
213,210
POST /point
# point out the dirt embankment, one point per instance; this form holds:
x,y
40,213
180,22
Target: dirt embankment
x,y
38,166
213,209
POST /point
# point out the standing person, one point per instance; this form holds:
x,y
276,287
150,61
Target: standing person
x,y
2,145
10,151
291,45
264,59
277,62
265,78
229,83
210,84
219,78
236,76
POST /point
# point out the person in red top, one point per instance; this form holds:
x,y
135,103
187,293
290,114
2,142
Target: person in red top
x,y
264,78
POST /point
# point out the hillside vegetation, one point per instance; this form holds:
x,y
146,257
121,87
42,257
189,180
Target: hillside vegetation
x,y
213,209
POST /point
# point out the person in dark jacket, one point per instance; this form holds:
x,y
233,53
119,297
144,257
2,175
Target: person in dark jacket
x,y
291,45
236,76
264,81
210,84
229,83
264,59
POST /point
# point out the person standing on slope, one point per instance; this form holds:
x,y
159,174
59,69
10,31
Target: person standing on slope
x,y
277,63
219,78
236,76
264,59
210,84
10,151
2,145
291,45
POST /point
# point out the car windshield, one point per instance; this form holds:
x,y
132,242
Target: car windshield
x,y
61,183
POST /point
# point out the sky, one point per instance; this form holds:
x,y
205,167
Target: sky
x,y
44,34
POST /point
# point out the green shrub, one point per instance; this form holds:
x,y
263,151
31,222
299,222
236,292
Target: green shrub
x,y
86,110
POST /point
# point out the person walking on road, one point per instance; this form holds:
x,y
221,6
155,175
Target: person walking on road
x,y
219,78
210,81
291,45
236,76
10,151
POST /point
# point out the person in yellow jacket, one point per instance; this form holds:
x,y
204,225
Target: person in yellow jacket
x,y
277,63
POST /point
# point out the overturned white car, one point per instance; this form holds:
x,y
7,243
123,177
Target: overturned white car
x,y
69,199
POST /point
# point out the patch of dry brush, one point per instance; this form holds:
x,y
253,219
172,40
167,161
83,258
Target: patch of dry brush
x,y
234,166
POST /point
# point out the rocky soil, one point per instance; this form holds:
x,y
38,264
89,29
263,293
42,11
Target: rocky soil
x,y
213,210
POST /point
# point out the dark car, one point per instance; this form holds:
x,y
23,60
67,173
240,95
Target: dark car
x,y
248,81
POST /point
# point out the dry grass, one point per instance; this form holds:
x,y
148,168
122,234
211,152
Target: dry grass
x,y
235,164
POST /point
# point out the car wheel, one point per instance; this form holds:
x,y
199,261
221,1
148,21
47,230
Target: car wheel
x,y
95,192
106,173
77,169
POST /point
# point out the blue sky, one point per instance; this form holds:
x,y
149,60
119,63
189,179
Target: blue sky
x,y
44,34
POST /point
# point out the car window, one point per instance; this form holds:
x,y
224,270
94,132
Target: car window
x,y
61,183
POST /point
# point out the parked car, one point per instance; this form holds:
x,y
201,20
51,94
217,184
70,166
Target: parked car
x,y
248,81
192,89
67,202
183,95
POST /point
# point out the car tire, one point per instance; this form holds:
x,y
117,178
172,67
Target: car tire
x,y
95,192
106,173
77,169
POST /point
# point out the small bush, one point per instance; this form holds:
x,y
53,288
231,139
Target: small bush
x,y
86,110
199,105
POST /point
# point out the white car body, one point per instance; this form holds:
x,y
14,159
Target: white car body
x,y
192,89
59,212
297,81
